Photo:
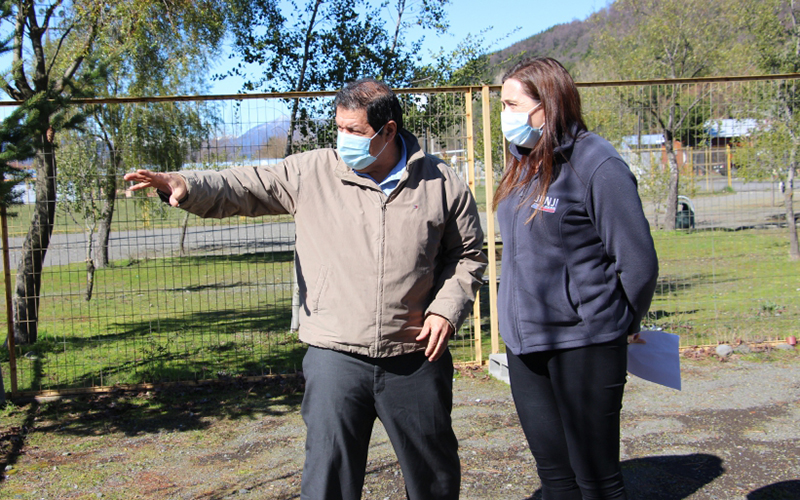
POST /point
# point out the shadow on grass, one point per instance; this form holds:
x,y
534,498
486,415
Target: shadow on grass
x,y
211,286
12,441
668,285
666,477
194,346
245,258
661,314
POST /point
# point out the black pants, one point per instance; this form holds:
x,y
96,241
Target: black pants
x,y
569,404
413,398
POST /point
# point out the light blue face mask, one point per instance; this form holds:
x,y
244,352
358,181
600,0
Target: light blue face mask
x,y
354,149
517,130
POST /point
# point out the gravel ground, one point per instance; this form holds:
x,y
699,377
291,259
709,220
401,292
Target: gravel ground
x,y
731,433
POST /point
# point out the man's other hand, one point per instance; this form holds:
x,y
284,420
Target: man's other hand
x,y
438,331
170,184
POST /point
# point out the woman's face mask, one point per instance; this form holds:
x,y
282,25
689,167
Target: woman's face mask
x,y
517,130
354,149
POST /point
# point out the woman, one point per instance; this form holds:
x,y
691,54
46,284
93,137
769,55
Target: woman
x,y
578,273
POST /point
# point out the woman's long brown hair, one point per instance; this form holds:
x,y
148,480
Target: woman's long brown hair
x,y
545,80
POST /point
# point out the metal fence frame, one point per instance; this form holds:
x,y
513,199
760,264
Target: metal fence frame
x,y
478,108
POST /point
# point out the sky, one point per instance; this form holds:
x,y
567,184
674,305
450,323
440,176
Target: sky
x,y
470,17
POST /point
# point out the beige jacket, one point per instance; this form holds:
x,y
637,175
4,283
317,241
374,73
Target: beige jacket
x,y
370,267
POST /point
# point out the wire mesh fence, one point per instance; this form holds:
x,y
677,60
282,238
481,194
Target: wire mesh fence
x,y
133,291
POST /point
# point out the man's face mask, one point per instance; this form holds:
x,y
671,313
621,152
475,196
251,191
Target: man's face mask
x,y
354,150
517,130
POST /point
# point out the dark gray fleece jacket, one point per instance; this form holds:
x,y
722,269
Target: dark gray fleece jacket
x,y
584,270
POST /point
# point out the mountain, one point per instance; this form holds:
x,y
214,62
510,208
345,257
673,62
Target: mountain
x,y
253,142
569,43
260,134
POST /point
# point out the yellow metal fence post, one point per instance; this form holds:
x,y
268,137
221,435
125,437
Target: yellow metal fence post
x,y
476,308
490,233
12,355
729,156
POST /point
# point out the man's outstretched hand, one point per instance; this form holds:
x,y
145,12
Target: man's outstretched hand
x,y
170,184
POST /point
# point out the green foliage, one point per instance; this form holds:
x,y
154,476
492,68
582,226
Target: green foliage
x,y
467,64
772,29
766,154
323,44
80,193
655,39
16,146
774,36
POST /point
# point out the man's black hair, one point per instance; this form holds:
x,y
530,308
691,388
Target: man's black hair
x,y
374,96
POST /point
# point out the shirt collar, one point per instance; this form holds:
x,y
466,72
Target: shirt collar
x,y
388,184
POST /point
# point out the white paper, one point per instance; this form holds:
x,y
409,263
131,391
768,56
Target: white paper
x,y
658,360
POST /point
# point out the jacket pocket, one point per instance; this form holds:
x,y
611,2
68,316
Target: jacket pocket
x,y
543,302
320,285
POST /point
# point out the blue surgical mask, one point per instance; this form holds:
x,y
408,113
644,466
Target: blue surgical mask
x,y
517,130
354,150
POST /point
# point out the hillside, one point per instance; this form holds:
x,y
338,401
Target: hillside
x,y
569,43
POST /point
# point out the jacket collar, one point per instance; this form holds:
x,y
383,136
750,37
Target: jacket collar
x,y
564,148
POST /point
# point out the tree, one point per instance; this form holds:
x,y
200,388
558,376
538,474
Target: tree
x,y
58,38
15,146
55,59
323,44
467,64
166,55
655,39
773,26
79,157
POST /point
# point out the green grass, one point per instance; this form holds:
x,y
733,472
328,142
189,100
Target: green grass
x,y
160,320
202,317
724,286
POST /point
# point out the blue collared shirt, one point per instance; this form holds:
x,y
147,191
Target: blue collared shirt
x,y
390,182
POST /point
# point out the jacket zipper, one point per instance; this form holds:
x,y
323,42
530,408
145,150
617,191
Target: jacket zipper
x,y
514,296
381,264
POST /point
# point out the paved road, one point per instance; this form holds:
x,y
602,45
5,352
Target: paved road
x,y
750,205
151,243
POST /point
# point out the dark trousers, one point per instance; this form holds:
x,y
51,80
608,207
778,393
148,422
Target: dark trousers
x,y
569,404
412,397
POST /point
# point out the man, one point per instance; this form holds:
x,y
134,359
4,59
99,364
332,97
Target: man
x,y
389,257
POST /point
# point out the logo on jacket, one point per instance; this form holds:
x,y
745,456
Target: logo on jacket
x,y
548,204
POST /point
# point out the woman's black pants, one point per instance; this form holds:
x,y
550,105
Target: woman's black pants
x,y
569,403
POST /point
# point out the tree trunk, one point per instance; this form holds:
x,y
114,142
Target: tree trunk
x,y
107,215
183,234
89,261
674,181
292,124
34,248
794,248
302,77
